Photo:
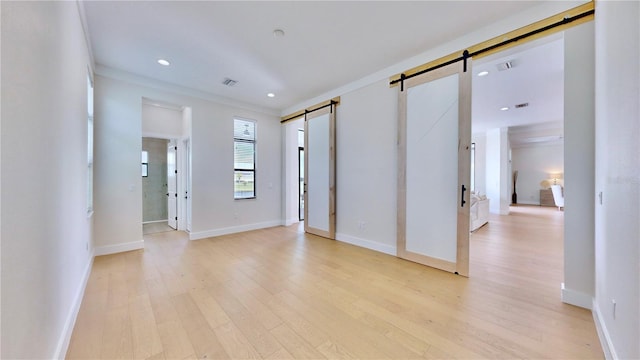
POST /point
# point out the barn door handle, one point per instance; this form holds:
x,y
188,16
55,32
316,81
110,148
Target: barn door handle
x,y
462,202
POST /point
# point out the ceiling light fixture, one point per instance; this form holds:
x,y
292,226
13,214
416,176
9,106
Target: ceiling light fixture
x,y
271,95
483,73
278,33
504,108
163,62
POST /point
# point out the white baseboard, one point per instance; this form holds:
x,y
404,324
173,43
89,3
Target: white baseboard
x,y
576,298
233,229
528,203
603,333
367,244
154,221
65,337
290,222
118,248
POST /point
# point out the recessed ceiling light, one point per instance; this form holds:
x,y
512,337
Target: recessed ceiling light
x,y
504,108
271,95
483,73
278,33
163,62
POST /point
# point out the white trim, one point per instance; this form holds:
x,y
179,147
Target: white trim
x,y
526,202
82,14
367,244
65,336
576,298
118,248
164,86
155,135
154,221
289,222
603,333
233,229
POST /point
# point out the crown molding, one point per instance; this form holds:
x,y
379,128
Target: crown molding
x,y
125,76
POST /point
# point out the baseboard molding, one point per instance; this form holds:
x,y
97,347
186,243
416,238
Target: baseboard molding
x,y
290,222
526,203
118,248
154,221
576,298
233,229
65,337
603,333
367,244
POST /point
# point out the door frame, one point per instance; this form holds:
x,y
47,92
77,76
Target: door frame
x,y
301,170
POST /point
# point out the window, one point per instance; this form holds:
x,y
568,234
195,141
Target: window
x,y
145,163
244,159
89,144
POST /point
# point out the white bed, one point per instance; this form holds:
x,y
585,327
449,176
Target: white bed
x,y
479,212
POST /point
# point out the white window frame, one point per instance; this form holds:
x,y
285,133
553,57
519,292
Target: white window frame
x,y
254,170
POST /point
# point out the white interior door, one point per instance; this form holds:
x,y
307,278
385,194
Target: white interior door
x,y
187,187
319,163
434,168
172,188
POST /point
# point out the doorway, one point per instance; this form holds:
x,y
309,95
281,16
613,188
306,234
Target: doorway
x,y
301,183
166,130
155,207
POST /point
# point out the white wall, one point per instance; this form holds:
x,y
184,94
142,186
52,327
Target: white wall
x,y
161,122
579,147
481,163
117,179
366,143
497,171
534,164
290,155
214,211
46,233
617,219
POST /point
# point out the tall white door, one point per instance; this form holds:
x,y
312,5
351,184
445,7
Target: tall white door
x,y
172,185
434,168
187,178
320,164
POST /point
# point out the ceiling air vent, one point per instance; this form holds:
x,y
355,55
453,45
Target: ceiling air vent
x,y
518,106
505,65
229,82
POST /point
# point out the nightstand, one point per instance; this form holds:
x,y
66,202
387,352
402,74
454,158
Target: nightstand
x,y
546,198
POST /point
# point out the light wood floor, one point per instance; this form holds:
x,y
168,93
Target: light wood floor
x,y
156,227
278,293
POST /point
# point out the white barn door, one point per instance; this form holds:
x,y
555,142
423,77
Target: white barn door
x,y
434,168
320,165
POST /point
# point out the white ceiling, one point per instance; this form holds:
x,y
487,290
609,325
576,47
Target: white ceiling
x,y
326,45
537,79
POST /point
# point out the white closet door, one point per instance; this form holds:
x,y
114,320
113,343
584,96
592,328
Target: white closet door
x,y
172,186
434,169
319,177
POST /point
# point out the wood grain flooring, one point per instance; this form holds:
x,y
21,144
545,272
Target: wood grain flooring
x,y
281,294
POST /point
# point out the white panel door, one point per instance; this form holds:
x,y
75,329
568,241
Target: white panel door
x,y
319,193
172,186
434,169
